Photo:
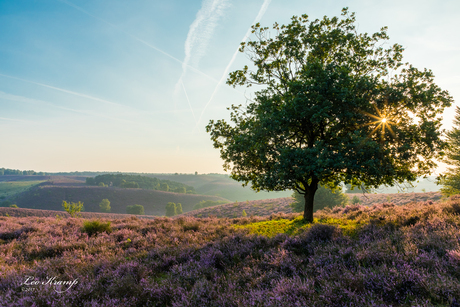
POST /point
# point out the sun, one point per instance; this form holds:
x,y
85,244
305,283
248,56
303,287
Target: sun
x,y
382,121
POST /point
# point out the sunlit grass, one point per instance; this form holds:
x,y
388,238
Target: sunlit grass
x,y
10,188
298,225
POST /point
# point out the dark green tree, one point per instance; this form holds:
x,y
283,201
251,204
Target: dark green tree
x,y
178,208
324,197
334,106
450,180
135,209
171,209
105,205
164,187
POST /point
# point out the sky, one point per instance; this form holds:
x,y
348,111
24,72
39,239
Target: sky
x,y
116,85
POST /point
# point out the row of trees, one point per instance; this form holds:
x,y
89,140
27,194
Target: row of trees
x,y
8,171
138,181
74,208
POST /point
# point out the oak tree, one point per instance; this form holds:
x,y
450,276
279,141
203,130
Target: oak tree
x,y
333,105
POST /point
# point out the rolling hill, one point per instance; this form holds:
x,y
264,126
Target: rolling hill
x,y
49,197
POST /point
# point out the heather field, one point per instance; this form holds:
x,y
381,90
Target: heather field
x,y
22,212
50,197
396,198
379,255
268,207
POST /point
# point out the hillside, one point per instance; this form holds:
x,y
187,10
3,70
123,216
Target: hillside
x,y
22,212
268,207
221,185
380,255
50,197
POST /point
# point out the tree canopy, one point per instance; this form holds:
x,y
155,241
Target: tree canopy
x,y
333,105
450,181
138,181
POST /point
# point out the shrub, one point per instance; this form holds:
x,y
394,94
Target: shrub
x,y
453,208
193,226
105,205
244,214
355,200
320,233
171,209
179,208
95,227
324,197
14,206
72,208
135,209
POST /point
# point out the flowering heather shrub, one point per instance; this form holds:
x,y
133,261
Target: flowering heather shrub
x,y
378,258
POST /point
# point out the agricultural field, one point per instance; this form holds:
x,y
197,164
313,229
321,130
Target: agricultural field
x,y
11,188
381,255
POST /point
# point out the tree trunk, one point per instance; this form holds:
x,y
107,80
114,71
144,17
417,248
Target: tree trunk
x,y
309,196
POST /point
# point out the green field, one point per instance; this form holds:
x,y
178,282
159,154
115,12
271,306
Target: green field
x,y
10,188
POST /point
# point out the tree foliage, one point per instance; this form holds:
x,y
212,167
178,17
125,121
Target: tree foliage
x,y
138,181
324,197
450,180
171,209
105,205
73,208
135,209
178,208
334,106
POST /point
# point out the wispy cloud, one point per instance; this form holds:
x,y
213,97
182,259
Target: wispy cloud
x,y
188,100
16,120
67,91
259,16
138,39
199,35
22,99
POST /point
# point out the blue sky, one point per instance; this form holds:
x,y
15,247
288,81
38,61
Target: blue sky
x,y
116,85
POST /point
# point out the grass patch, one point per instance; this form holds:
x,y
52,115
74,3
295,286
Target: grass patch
x,y
10,188
298,225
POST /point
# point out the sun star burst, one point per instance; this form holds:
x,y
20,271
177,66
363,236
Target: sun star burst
x,y
383,121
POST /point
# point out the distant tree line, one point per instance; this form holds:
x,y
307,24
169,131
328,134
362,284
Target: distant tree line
x,y
8,171
138,181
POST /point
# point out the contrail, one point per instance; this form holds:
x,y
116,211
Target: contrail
x,y
67,91
224,75
188,100
22,99
139,40
200,33
16,120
